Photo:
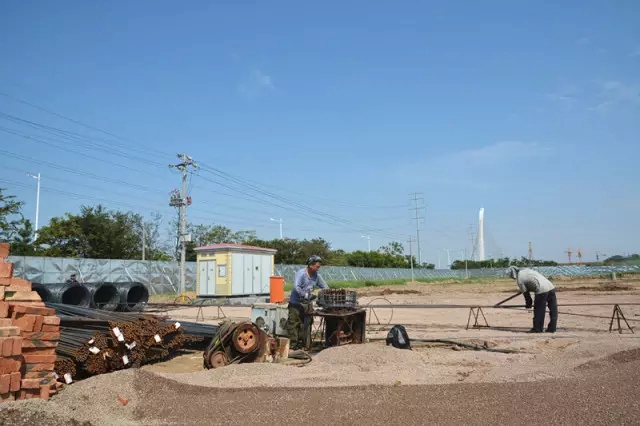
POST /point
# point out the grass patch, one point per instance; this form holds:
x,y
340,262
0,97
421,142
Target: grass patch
x,y
398,281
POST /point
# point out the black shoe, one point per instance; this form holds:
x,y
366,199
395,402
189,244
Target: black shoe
x,y
549,331
534,330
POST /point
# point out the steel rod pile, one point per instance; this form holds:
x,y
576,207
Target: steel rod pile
x,y
95,341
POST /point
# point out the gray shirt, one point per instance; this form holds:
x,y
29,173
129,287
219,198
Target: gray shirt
x,y
533,281
303,285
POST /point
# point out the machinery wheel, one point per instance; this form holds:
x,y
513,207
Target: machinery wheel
x,y
218,359
246,338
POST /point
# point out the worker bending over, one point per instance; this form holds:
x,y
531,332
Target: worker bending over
x,y
305,280
529,280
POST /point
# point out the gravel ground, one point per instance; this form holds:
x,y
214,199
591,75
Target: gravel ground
x,y
603,394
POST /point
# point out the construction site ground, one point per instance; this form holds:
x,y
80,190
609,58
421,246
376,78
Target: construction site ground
x,y
581,374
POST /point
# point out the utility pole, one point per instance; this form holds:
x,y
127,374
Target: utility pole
x,y
368,237
182,202
144,243
280,222
472,236
411,256
37,178
417,218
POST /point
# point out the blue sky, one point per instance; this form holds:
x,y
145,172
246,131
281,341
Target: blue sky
x,y
528,110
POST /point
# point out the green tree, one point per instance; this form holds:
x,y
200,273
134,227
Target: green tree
x,y
10,215
22,240
94,233
204,235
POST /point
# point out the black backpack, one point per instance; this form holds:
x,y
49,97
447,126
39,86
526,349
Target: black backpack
x,y
398,337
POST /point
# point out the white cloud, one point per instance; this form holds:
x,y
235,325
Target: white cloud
x,y
256,84
612,93
567,95
477,168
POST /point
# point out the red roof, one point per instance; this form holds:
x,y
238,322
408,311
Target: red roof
x,y
224,246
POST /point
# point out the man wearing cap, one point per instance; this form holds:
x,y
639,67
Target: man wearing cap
x,y
301,296
529,280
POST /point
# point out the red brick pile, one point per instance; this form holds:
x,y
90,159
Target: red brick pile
x,y
29,334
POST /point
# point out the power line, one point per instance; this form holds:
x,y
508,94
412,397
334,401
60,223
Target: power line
x,y
297,207
417,218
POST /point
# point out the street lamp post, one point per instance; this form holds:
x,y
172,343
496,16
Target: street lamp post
x,y
280,222
368,237
37,178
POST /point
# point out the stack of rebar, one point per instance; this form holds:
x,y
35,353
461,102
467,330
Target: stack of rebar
x,y
95,341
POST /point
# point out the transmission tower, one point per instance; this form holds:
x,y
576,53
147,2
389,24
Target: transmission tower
x,y
530,253
182,200
579,257
472,237
569,253
417,218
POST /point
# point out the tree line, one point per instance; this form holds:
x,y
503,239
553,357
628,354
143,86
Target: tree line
x,y
98,233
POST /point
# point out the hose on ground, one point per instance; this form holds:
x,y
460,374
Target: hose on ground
x,y
458,343
302,356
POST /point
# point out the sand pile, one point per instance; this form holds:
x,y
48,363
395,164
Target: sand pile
x,y
92,401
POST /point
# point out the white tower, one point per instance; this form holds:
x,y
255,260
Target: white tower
x,y
481,234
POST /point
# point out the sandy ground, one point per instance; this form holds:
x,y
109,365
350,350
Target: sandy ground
x,y
582,369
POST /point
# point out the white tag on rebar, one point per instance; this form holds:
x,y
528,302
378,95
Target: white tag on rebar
x,y
177,325
94,350
125,359
67,378
116,331
157,338
120,338
90,342
130,345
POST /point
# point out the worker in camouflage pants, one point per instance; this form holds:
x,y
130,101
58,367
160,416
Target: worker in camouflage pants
x,y
299,302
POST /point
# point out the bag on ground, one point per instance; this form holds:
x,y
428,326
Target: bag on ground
x,y
398,337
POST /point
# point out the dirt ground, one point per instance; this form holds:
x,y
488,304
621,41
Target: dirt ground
x,y
583,354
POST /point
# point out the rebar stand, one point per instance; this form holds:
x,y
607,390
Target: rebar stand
x,y
476,312
617,315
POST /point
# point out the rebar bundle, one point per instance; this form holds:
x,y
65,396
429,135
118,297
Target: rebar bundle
x,y
94,341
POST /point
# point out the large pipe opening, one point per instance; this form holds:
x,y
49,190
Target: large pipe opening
x,y
133,296
74,294
43,292
104,296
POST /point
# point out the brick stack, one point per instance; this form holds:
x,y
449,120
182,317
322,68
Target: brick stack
x,y
29,334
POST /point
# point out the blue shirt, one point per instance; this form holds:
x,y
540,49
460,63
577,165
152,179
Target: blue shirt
x,y
303,284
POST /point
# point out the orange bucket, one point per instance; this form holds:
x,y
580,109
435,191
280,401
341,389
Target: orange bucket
x,y
276,289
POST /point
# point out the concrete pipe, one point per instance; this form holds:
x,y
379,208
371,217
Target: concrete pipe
x,y
133,296
104,296
74,294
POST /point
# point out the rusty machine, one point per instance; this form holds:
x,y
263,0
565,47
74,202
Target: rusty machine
x,y
341,322
240,342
